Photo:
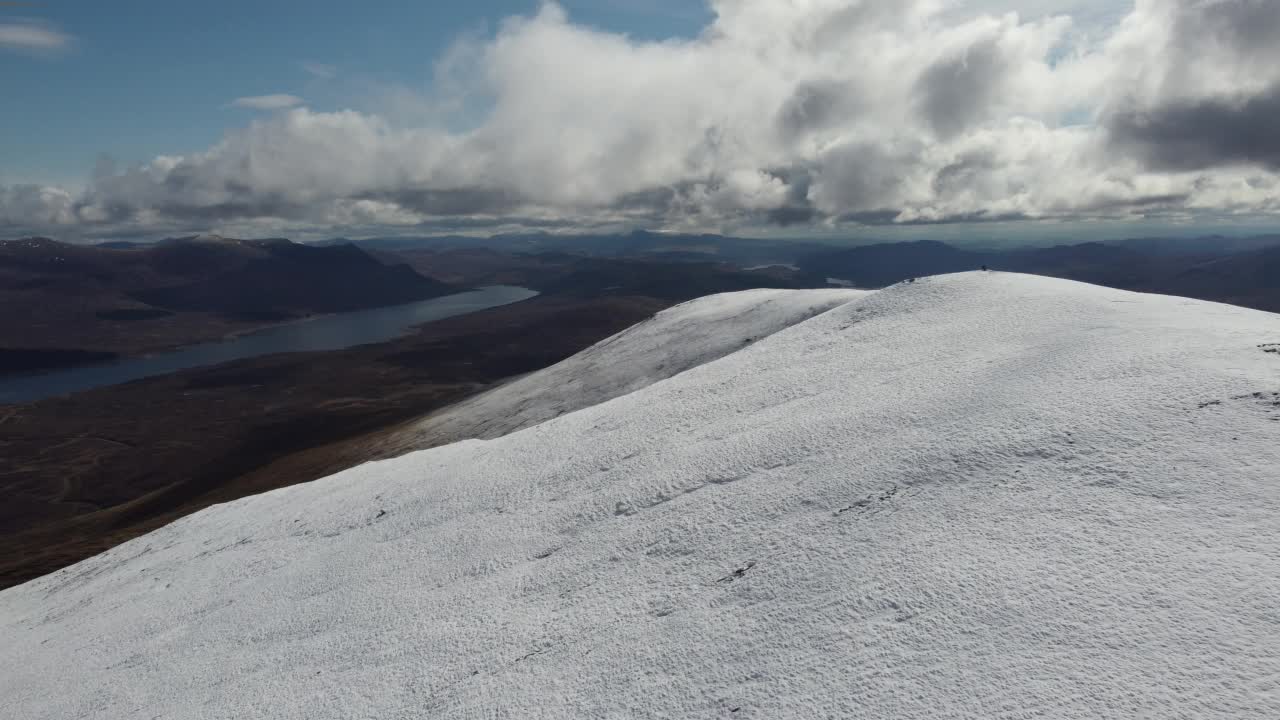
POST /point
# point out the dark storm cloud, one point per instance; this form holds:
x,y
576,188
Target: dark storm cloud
x,y
814,106
870,217
893,217
457,201
863,175
791,215
963,172
1149,204
655,200
1249,28
1203,134
957,91
797,209
265,205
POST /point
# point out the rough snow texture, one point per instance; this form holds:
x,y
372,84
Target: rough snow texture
x,y
974,496
673,341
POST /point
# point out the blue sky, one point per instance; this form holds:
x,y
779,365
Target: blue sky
x,y
893,118
147,77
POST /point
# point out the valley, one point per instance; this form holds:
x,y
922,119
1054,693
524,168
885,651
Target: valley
x,y
71,304
87,471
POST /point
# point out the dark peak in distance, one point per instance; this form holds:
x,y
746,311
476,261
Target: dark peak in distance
x,y
1208,245
201,238
44,255
640,244
576,274
887,263
281,277
131,300
28,242
1243,277
671,282
1251,279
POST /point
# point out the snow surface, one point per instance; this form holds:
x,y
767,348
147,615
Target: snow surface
x,y
673,341
976,496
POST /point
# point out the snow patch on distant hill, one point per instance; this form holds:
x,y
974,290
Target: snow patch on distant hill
x,y
979,495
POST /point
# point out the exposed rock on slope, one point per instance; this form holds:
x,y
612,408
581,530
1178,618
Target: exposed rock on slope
x,y
980,495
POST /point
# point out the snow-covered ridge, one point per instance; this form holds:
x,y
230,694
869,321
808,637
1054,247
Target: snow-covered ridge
x,y
978,495
675,340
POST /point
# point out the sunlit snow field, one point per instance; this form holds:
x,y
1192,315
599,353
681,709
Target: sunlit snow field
x,y
980,495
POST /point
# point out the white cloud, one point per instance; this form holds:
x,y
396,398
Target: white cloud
x,y
36,205
32,37
319,70
268,102
821,111
1089,13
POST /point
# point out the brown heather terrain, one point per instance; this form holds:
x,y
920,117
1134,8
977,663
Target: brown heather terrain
x,y
89,471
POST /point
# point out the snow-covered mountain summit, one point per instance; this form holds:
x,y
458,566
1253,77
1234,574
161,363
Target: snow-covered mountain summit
x,y
977,495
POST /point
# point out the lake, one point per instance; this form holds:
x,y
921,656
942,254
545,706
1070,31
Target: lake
x,y
326,332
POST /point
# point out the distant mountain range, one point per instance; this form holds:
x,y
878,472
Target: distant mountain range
x,y
65,300
1239,272
256,277
1205,245
745,252
755,251
75,304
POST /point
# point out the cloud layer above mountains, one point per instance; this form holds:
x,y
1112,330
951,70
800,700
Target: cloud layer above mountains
x,y
796,112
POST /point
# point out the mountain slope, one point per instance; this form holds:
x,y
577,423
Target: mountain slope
x,y
1251,279
980,495
72,304
288,278
673,341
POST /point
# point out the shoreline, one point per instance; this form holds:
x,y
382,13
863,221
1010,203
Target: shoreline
x,y
127,368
